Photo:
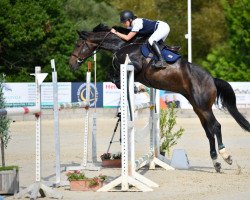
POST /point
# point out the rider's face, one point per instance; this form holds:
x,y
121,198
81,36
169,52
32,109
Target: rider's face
x,y
126,23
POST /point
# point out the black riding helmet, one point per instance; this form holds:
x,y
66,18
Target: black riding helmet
x,y
126,15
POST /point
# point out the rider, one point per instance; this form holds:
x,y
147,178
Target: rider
x,y
158,30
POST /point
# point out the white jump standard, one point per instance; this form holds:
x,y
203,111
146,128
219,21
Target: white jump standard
x,y
129,176
85,164
39,186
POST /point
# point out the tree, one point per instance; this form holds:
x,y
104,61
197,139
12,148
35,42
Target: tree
x,y
32,33
231,60
208,22
85,15
4,123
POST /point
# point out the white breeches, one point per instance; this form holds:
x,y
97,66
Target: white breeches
x,y
161,33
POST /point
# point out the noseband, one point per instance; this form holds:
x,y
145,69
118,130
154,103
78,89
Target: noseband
x,y
80,59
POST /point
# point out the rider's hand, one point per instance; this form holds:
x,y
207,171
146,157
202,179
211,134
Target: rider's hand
x,y
113,31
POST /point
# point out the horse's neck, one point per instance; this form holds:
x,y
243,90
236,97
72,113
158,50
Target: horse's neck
x,y
112,46
115,43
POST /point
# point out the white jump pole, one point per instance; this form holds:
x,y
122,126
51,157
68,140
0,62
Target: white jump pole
x,y
188,36
56,127
39,186
94,126
85,164
86,122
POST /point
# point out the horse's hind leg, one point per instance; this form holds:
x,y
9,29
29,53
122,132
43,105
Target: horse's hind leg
x,y
221,147
212,127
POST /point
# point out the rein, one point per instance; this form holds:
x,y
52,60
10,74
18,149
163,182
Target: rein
x,y
80,59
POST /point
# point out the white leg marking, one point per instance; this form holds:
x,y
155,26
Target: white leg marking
x,y
223,153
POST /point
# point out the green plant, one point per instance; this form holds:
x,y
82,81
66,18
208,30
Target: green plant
x,y
79,176
76,176
9,168
4,122
94,182
102,177
169,135
106,156
117,156
110,156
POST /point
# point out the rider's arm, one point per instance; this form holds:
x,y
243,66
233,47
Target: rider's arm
x,y
123,36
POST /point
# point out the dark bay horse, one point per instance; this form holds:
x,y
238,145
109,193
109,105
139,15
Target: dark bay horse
x,y
194,83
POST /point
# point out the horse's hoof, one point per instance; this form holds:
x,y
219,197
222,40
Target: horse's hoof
x,y
229,160
217,167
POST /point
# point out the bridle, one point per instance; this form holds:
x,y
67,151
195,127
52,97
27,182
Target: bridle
x,y
80,59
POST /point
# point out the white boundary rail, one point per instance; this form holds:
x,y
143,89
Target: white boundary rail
x,y
129,176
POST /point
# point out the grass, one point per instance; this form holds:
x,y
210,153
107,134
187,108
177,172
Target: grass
x,y
9,168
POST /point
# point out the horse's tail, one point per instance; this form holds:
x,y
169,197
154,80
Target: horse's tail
x,y
227,97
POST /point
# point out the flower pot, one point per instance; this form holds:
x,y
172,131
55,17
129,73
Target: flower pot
x,y
116,163
85,185
9,181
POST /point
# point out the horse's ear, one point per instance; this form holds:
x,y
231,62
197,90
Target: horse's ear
x,y
79,33
83,34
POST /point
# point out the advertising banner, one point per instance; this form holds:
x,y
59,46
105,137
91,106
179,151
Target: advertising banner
x,y
19,94
108,95
167,98
64,94
79,93
111,95
242,92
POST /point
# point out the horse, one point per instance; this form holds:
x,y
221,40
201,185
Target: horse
x,y
194,83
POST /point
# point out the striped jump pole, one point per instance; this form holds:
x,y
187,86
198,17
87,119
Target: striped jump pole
x,y
73,105
19,111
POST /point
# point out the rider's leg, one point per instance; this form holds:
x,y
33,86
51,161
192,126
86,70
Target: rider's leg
x,y
157,51
160,33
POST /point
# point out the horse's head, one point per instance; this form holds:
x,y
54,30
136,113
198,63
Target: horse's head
x,y
88,42
84,48
99,38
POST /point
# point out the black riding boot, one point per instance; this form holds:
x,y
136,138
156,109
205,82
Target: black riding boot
x,y
157,51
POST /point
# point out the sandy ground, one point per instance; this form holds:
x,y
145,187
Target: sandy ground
x,y
200,182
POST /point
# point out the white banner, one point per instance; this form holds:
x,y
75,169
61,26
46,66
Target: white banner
x,y
111,95
24,94
64,94
242,92
20,94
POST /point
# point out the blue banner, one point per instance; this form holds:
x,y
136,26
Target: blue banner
x,y
78,93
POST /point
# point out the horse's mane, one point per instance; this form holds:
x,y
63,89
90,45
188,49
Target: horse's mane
x,y
101,28
104,28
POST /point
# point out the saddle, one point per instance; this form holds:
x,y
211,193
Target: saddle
x,y
169,53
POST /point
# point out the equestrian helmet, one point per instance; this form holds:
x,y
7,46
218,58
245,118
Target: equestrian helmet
x,y
126,15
